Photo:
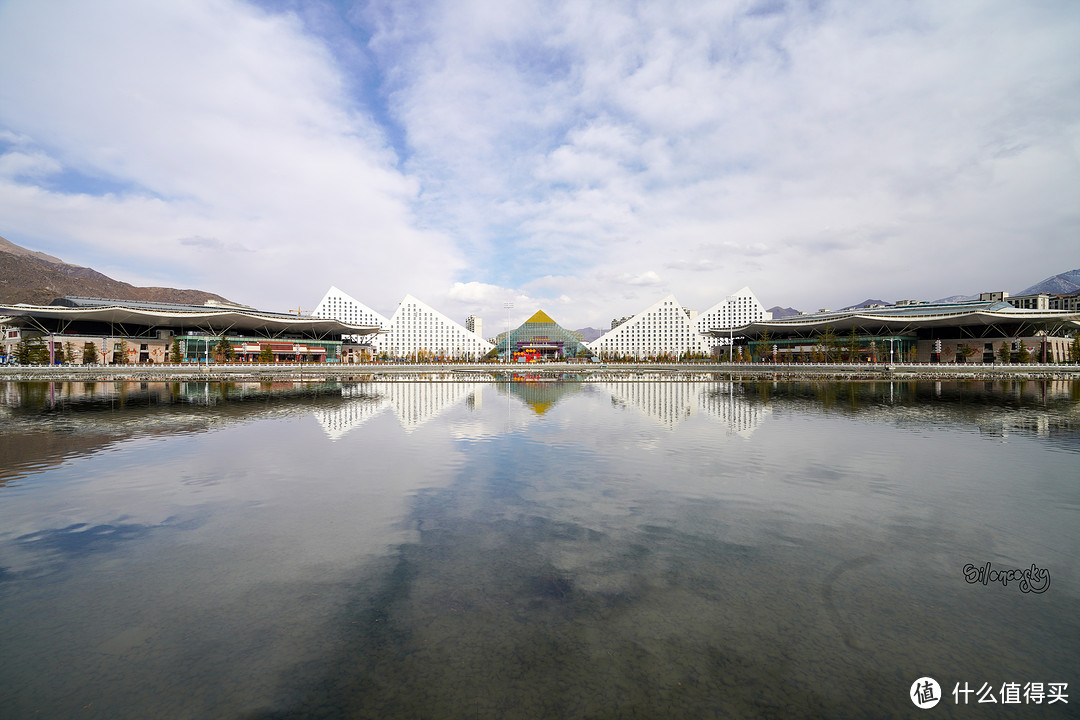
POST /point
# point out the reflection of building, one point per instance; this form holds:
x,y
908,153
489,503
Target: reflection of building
x,y
740,416
541,396
669,403
127,331
415,403
973,332
541,338
339,420
663,330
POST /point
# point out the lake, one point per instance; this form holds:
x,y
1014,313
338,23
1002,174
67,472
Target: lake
x,y
641,547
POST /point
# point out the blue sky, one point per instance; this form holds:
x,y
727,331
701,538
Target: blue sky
x,y
587,158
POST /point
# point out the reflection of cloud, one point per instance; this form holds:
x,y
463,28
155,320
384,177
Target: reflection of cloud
x,y
80,540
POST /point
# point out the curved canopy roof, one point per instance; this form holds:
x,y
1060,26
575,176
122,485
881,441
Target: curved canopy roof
x,y
180,317
899,318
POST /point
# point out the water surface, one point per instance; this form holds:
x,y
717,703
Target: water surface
x,y
533,549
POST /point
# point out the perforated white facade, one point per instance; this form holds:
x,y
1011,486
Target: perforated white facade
x,y
663,329
337,305
737,310
418,329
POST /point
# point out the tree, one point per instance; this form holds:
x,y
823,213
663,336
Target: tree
x,y
827,341
964,351
1074,348
69,352
1004,352
763,344
31,351
120,353
852,346
89,353
1023,356
266,354
224,351
176,356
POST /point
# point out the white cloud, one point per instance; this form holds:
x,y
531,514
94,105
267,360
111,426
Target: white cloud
x,y
478,293
542,151
215,120
648,278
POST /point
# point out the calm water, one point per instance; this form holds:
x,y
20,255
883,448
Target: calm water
x,y
523,550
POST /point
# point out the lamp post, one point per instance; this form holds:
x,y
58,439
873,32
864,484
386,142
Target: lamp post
x,y
731,328
509,306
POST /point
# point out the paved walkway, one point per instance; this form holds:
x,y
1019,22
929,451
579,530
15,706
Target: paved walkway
x,y
477,372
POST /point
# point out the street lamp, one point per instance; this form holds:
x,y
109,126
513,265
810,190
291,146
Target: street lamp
x,y
731,328
891,340
509,306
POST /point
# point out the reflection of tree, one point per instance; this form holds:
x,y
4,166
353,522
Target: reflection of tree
x,y
47,422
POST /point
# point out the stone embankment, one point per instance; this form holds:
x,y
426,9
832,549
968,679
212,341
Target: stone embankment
x,y
479,372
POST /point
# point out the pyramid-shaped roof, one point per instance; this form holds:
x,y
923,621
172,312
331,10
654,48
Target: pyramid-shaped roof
x,y
540,317
540,331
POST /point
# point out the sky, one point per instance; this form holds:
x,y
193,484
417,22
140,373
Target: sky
x,y
585,158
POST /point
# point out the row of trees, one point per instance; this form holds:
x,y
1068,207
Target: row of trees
x,y
34,351
828,347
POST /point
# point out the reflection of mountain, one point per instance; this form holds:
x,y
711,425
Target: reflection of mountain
x,y
541,396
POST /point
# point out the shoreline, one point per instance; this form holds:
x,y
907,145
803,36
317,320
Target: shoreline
x,y
496,372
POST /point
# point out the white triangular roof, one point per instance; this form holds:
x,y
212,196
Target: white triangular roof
x,y
398,335
702,322
621,338
324,308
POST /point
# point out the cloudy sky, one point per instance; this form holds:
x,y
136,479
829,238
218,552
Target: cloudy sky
x,y
587,158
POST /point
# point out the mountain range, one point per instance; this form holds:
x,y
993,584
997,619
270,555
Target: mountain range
x,y
27,276
1065,283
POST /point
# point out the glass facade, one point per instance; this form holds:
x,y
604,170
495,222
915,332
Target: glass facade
x,y
541,338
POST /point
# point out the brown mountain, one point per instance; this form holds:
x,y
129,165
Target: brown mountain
x,y
33,277
782,312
